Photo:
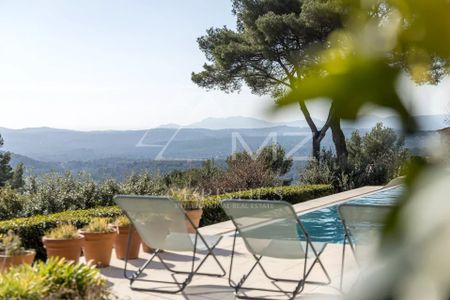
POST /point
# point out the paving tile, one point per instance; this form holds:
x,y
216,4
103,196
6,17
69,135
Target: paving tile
x,y
203,287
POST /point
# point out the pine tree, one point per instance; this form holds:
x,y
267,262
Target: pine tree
x,y
5,168
17,181
269,51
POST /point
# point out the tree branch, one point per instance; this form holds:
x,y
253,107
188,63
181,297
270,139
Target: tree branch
x,y
286,70
327,124
308,118
271,77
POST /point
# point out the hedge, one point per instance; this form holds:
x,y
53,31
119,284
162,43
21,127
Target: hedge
x,y
213,213
33,228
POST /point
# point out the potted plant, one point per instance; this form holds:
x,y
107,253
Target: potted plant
x,y
98,243
146,248
64,241
191,202
122,226
12,253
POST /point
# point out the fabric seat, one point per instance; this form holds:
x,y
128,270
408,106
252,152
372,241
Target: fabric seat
x,y
272,229
162,223
363,225
175,242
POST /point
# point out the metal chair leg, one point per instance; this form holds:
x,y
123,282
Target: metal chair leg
x,y
291,294
190,274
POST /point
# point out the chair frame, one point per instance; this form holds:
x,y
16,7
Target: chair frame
x,y
190,274
348,235
300,282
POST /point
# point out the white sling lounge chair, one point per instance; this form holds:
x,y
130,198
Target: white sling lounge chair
x,y
363,225
160,221
272,229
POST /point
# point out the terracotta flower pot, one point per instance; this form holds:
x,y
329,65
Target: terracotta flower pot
x,y
97,247
146,248
195,215
69,249
121,243
6,261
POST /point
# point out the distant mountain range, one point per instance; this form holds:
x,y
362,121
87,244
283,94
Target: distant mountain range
x,y
43,149
426,122
238,122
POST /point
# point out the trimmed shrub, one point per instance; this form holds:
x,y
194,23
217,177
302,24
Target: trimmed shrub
x,y
32,229
213,213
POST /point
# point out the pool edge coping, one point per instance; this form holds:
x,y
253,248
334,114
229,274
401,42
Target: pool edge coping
x,y
373,189
226,227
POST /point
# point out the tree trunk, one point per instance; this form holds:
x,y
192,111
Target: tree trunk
x,y
317,135
316,146
339,139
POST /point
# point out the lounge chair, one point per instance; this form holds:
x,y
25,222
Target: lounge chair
x,y
272,229
161,223
362,224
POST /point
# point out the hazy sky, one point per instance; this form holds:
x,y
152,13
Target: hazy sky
x,y
109,64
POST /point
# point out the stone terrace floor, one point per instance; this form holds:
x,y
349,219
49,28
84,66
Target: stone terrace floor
x,y
203,287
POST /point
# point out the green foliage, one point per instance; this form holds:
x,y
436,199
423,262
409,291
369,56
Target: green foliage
x,y
122,221
142,184
98,225
12,203
10,244
5,168
271,51
54,193
327,170
213,213
242,171
17,181
245,172
107,190
55,279
373,159
63,232
377,157
188,198
268,48
72,281
22,282
32,229
366,57
199,178
274,159
361,68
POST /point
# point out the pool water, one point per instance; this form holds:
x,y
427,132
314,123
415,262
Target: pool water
x,y
324,225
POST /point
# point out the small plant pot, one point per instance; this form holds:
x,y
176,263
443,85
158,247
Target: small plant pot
x,y
69,249
121,243
97,247
6,261
147,249
195,215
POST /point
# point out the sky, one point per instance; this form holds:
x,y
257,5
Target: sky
x,y
110,64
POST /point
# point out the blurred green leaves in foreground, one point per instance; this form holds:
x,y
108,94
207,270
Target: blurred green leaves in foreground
x,y
380,40
361,65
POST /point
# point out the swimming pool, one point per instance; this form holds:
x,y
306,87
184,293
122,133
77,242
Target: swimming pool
x,y
324,225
